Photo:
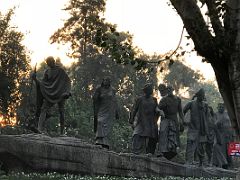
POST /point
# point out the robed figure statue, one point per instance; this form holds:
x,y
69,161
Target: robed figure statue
x,y
54,88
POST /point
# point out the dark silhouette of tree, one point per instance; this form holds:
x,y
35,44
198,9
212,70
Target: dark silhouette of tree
x,y
14,66
217,41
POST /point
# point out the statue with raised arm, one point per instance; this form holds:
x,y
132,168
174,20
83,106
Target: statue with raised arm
x,y
105,111
54,88
197,127
143,119
224,135
171,125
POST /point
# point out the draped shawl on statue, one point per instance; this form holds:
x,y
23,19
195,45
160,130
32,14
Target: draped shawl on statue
x,y
55,84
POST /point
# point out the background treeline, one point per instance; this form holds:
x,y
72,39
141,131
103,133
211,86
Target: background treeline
x,y
100,50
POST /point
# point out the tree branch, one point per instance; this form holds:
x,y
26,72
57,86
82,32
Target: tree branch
x,y
196,27
168,57
214,16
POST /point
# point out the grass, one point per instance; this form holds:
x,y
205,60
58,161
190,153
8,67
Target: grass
x,y
57,176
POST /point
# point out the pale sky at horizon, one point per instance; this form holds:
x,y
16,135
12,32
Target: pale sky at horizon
x,y
156,27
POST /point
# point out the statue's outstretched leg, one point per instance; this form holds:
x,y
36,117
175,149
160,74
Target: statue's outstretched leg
x,y
45,108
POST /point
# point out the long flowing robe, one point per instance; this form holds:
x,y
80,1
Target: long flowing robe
x,y
54,88
55,84
145,115
224,135
105,110
169,138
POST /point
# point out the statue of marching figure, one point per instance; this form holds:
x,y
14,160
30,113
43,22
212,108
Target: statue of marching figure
x,y
143,119
54,88
197,127
170,125
105,111
224,135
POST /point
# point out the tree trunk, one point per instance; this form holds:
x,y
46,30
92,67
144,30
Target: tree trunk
x,y
233,15
223,85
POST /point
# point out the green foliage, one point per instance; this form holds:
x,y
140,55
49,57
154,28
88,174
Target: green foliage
x,y
181,77
13,130
212,94
82,26
89,34
14,65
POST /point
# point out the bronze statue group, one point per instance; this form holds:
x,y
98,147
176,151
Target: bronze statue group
x,y
207,132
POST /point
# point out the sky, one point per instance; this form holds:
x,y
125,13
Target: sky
x,y
155,26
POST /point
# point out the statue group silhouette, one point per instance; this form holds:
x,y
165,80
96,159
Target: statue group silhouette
x,y
207,132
